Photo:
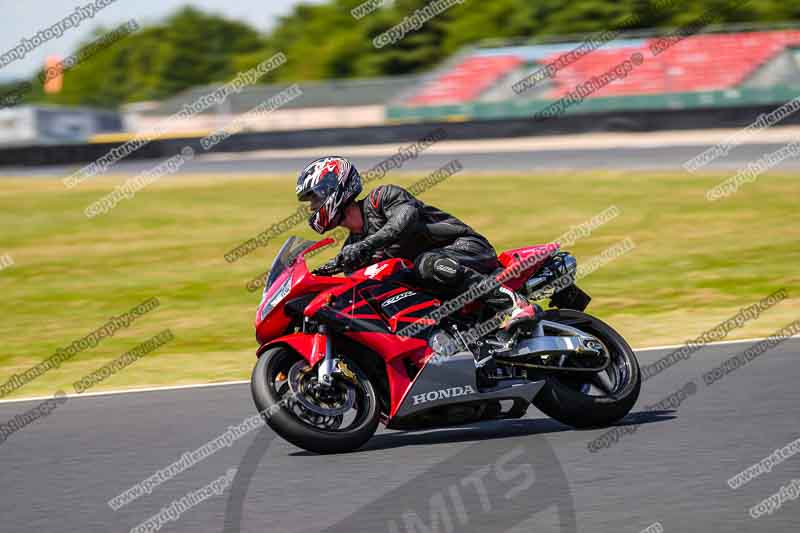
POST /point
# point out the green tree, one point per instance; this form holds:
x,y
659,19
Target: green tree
x,y
322,41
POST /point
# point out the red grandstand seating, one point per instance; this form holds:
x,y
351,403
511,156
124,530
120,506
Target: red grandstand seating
x,y
466,80
698,63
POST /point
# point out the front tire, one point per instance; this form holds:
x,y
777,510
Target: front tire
x,y
304,427
568,398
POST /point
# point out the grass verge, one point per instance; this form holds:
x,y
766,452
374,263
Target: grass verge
x,y
694,263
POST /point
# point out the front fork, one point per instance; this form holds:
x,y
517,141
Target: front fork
x,y
330,366
327,367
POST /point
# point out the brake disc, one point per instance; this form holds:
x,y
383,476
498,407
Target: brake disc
x,y
302,383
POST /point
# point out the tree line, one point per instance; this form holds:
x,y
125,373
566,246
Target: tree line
x,y
326,41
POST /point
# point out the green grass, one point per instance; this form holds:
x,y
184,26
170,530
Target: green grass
x,y
695,263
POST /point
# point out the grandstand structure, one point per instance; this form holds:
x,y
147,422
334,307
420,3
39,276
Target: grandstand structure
x,y
719,68
321,104
728,68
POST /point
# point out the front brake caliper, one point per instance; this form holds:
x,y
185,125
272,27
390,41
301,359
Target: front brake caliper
x,y
343,369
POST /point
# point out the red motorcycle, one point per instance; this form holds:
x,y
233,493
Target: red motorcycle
x,y
339,354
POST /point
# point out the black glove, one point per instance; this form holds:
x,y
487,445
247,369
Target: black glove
x,y
328,269
355,255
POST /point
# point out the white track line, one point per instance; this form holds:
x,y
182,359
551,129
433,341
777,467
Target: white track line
x,y
735,341
130,391
228,383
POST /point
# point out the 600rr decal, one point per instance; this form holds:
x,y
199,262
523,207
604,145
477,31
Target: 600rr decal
x,y
395,299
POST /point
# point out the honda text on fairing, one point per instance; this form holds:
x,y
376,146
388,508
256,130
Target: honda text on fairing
x,y
340,354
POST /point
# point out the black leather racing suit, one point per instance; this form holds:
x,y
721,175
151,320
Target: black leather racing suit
x,y
448,255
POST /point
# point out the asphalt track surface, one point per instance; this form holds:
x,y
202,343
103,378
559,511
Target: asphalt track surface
x,y
58,473
641,158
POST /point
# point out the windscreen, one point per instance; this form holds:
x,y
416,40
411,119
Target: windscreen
x,y
293,247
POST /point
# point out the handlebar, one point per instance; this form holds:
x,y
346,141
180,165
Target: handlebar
x,y
336,268
339,267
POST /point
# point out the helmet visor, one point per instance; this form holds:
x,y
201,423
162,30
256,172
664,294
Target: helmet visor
x,y
325,186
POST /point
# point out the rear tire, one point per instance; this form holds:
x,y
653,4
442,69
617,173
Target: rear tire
x,y
562,398
281,414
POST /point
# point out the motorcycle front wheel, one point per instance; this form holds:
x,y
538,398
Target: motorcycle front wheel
x,y
319,419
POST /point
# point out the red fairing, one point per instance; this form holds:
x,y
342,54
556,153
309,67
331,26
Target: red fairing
x,y
320,244
391,346
521,263
378,271
310,346
399,384
303,282
324,298
369,307
393,350
383,270
276,321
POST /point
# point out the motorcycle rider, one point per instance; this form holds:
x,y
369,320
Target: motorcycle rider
x,y
448,255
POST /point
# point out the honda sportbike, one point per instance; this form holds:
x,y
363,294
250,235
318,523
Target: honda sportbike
x,y
340,354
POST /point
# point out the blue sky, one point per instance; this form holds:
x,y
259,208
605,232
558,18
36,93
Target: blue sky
x,y
24,18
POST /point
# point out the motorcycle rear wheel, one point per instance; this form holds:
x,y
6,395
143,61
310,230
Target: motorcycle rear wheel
x,y
312,430
568,398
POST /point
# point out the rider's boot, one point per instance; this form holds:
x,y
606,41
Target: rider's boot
x,y
517,310
513,310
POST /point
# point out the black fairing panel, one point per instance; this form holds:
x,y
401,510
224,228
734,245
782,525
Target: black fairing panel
x,y
375,305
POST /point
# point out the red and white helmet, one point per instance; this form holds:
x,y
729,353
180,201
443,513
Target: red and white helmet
x,y
333,181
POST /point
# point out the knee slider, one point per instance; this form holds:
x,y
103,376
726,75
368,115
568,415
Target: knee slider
x,y
423,265
440,269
